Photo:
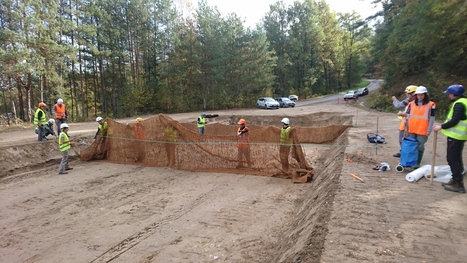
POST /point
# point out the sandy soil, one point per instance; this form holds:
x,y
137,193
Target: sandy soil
x,y
104,212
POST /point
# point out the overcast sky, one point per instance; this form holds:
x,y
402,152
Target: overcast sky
x,y
253,10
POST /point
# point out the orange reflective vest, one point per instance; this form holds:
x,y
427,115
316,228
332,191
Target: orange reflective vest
x,y
243,139
60,111
419,117
139,133
402,124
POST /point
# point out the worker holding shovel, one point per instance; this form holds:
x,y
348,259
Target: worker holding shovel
x,y
455,128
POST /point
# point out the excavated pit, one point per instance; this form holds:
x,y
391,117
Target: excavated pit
x,y
322,136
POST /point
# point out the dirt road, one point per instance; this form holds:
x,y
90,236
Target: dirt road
x,y
104,212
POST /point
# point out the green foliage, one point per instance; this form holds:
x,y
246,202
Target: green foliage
x,y
379,101
123,58
426,40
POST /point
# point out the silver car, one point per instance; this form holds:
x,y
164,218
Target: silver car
x,y
267,103
285,102
350,95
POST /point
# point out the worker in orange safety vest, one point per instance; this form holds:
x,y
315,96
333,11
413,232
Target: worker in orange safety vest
x,y
420,114
60,113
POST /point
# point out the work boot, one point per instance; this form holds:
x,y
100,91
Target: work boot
x,y
62,172
397,155
419,160
455,187
451,182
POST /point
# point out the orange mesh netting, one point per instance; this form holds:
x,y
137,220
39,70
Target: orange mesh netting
x,y
162,141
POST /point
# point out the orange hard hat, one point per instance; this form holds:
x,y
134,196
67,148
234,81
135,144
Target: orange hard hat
x,y
242,121
42,104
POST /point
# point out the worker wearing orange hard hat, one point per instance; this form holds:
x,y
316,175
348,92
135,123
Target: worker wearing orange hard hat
x,y
40,119
243,144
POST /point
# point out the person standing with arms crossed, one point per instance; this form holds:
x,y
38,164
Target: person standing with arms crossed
x,y
421,117
243,144
60,113
455,129
402,107
40,119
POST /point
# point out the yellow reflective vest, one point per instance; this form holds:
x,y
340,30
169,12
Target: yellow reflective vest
x,y
64,142
458,132
286,140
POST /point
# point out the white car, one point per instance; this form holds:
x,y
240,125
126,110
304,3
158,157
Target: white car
x,y
267,103
293,98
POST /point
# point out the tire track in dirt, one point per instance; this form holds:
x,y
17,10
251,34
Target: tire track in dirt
x,y
149,230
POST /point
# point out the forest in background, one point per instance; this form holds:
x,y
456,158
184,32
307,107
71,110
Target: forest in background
x,y
123,58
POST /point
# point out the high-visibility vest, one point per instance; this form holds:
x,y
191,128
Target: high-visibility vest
x,y
170,134
285,137
202,122
139,133
243,139
60,111
419,117
43,119
458,132
64,146
102,128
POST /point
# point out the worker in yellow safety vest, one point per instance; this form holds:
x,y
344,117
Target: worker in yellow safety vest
x,y
455,128
40,119
286,142
65,144
201,123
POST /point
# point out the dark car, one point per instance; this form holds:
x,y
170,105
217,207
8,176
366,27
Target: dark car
x,y
350,95
362,92
285,102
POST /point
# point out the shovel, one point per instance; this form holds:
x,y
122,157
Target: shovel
x,y
433,158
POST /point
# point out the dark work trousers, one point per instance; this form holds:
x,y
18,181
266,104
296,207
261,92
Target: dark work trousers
x,y
59,122
41,133
454,158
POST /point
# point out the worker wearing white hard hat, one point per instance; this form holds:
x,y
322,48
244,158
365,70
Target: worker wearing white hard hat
x,y
420,119
60,114
65,144
286,142
102,128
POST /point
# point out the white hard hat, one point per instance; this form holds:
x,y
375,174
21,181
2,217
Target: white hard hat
x,y
60,101
98,119
285,121
421,90
63,125
51,120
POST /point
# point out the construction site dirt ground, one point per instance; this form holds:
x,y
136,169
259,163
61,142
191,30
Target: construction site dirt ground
x,y
106,212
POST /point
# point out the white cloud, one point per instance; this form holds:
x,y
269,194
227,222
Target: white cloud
x,y
253,10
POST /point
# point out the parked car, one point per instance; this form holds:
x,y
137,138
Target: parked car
x,y
267,103
293,98
285,102
362,92
350,95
